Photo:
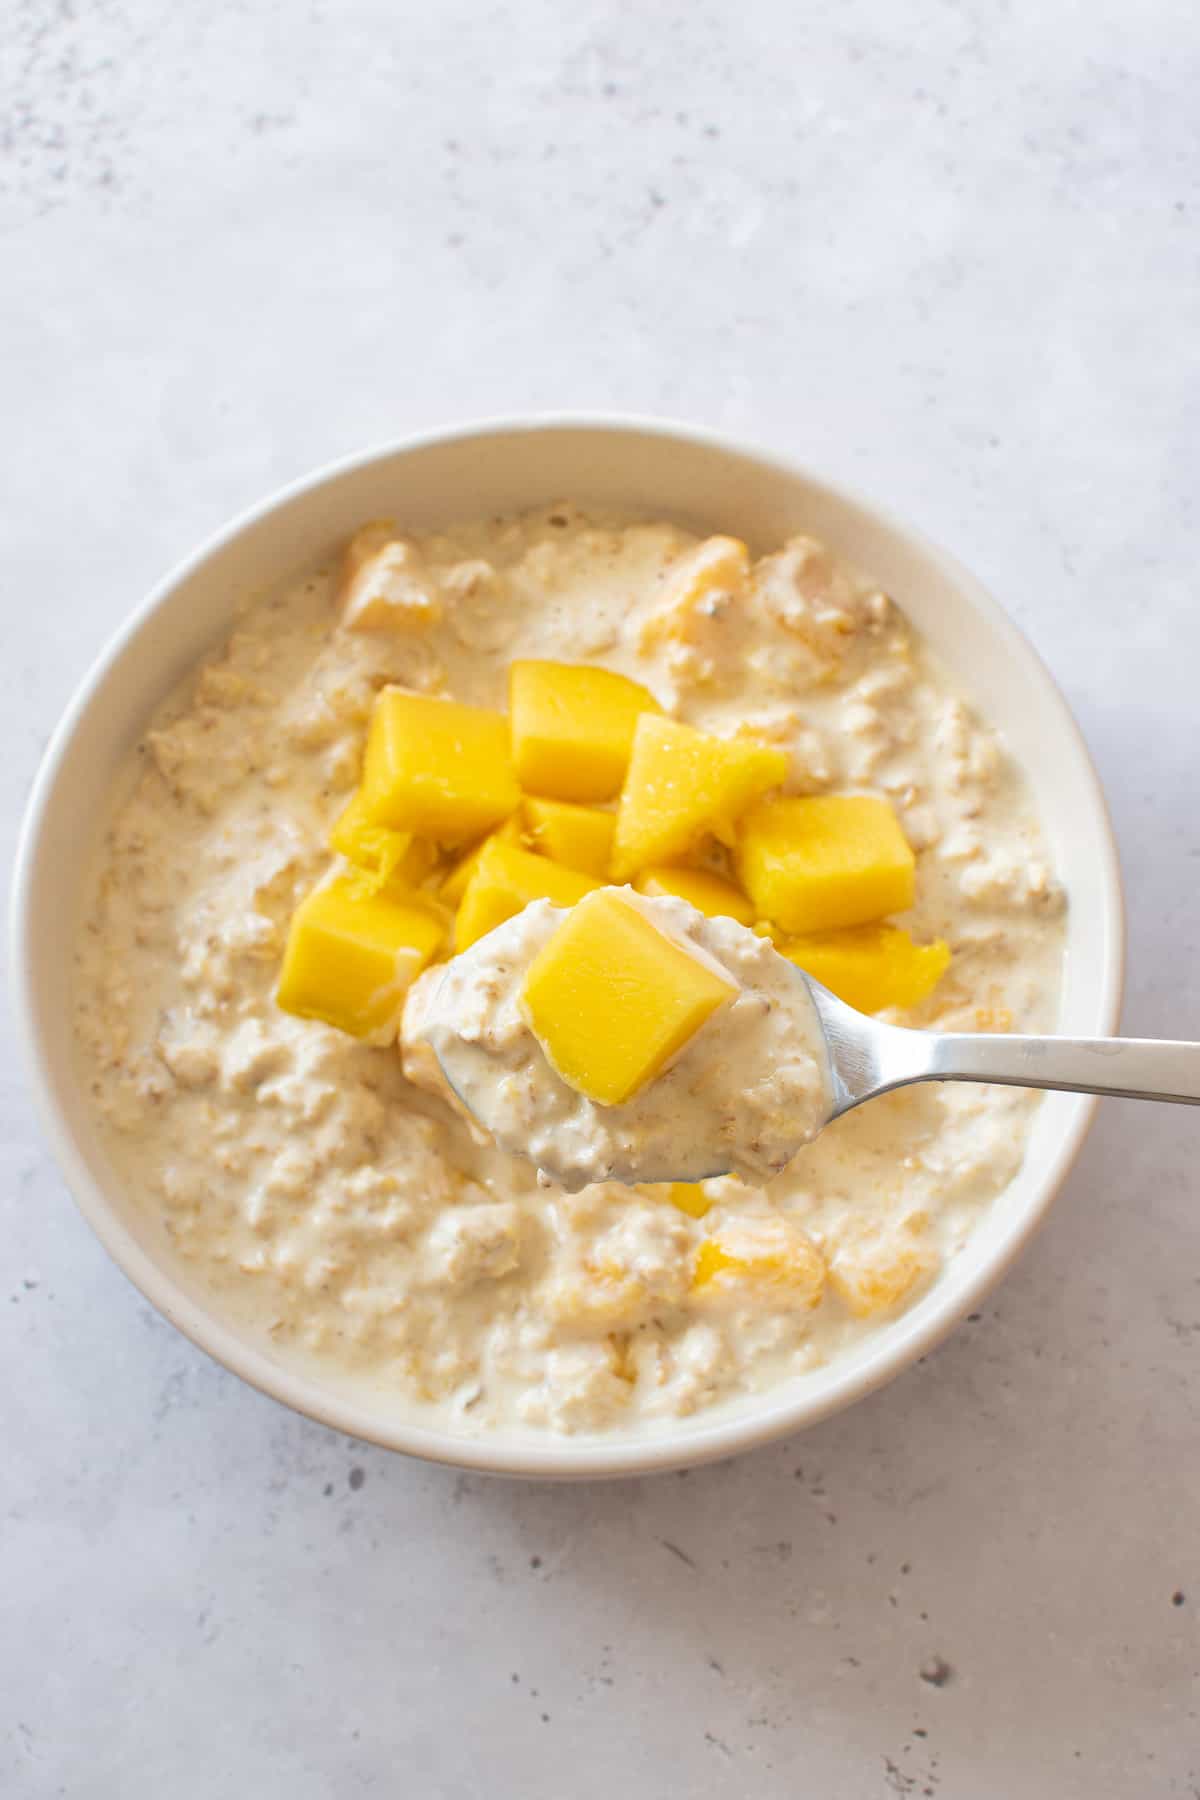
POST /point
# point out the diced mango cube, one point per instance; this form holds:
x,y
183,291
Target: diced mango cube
x,y
351,955
875,1276
572,728
766,1258
683,784
612,999
823,861
504,881
870,966
718,565
708,893
455,885
381,856
579,837
384,585
689,1196
437,768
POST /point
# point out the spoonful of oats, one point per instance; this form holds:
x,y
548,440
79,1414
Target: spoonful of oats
x,y
634,1039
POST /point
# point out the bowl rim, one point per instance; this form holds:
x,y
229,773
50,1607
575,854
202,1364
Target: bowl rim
x,y
566,1457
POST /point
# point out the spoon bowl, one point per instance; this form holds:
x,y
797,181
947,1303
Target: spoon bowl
x,y
861,1057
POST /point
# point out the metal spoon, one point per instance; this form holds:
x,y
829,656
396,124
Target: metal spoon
x,y
867,1058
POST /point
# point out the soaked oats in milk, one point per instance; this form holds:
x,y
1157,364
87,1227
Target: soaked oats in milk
x,y
328,1192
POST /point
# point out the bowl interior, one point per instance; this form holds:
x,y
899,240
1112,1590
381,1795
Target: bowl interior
x,y
639,468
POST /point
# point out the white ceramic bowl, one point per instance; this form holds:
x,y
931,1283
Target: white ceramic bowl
x,y
699,480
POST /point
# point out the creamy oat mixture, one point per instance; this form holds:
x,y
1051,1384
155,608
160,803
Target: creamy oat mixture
x,y
742,1096
353,1217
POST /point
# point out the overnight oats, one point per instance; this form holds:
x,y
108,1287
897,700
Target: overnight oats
x,y
633,1040
573,744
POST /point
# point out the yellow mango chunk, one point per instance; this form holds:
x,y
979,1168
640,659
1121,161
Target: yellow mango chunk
x,y
718,565
455,885
381,856
572,728
873,1277
870,966
683,784
579,837
436,768
689,1196
765,1257
611,999
502,884
710,894
820,862
384,586
351,956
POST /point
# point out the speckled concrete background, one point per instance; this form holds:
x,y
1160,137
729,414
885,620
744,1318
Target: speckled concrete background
x,y
948,251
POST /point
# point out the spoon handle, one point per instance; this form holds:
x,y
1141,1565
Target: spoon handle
x,y
1130,1068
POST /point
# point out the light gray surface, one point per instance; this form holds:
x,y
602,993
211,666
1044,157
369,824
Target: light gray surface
x,y
948,252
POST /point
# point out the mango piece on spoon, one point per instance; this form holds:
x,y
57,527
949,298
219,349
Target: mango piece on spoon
x,y
612,999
